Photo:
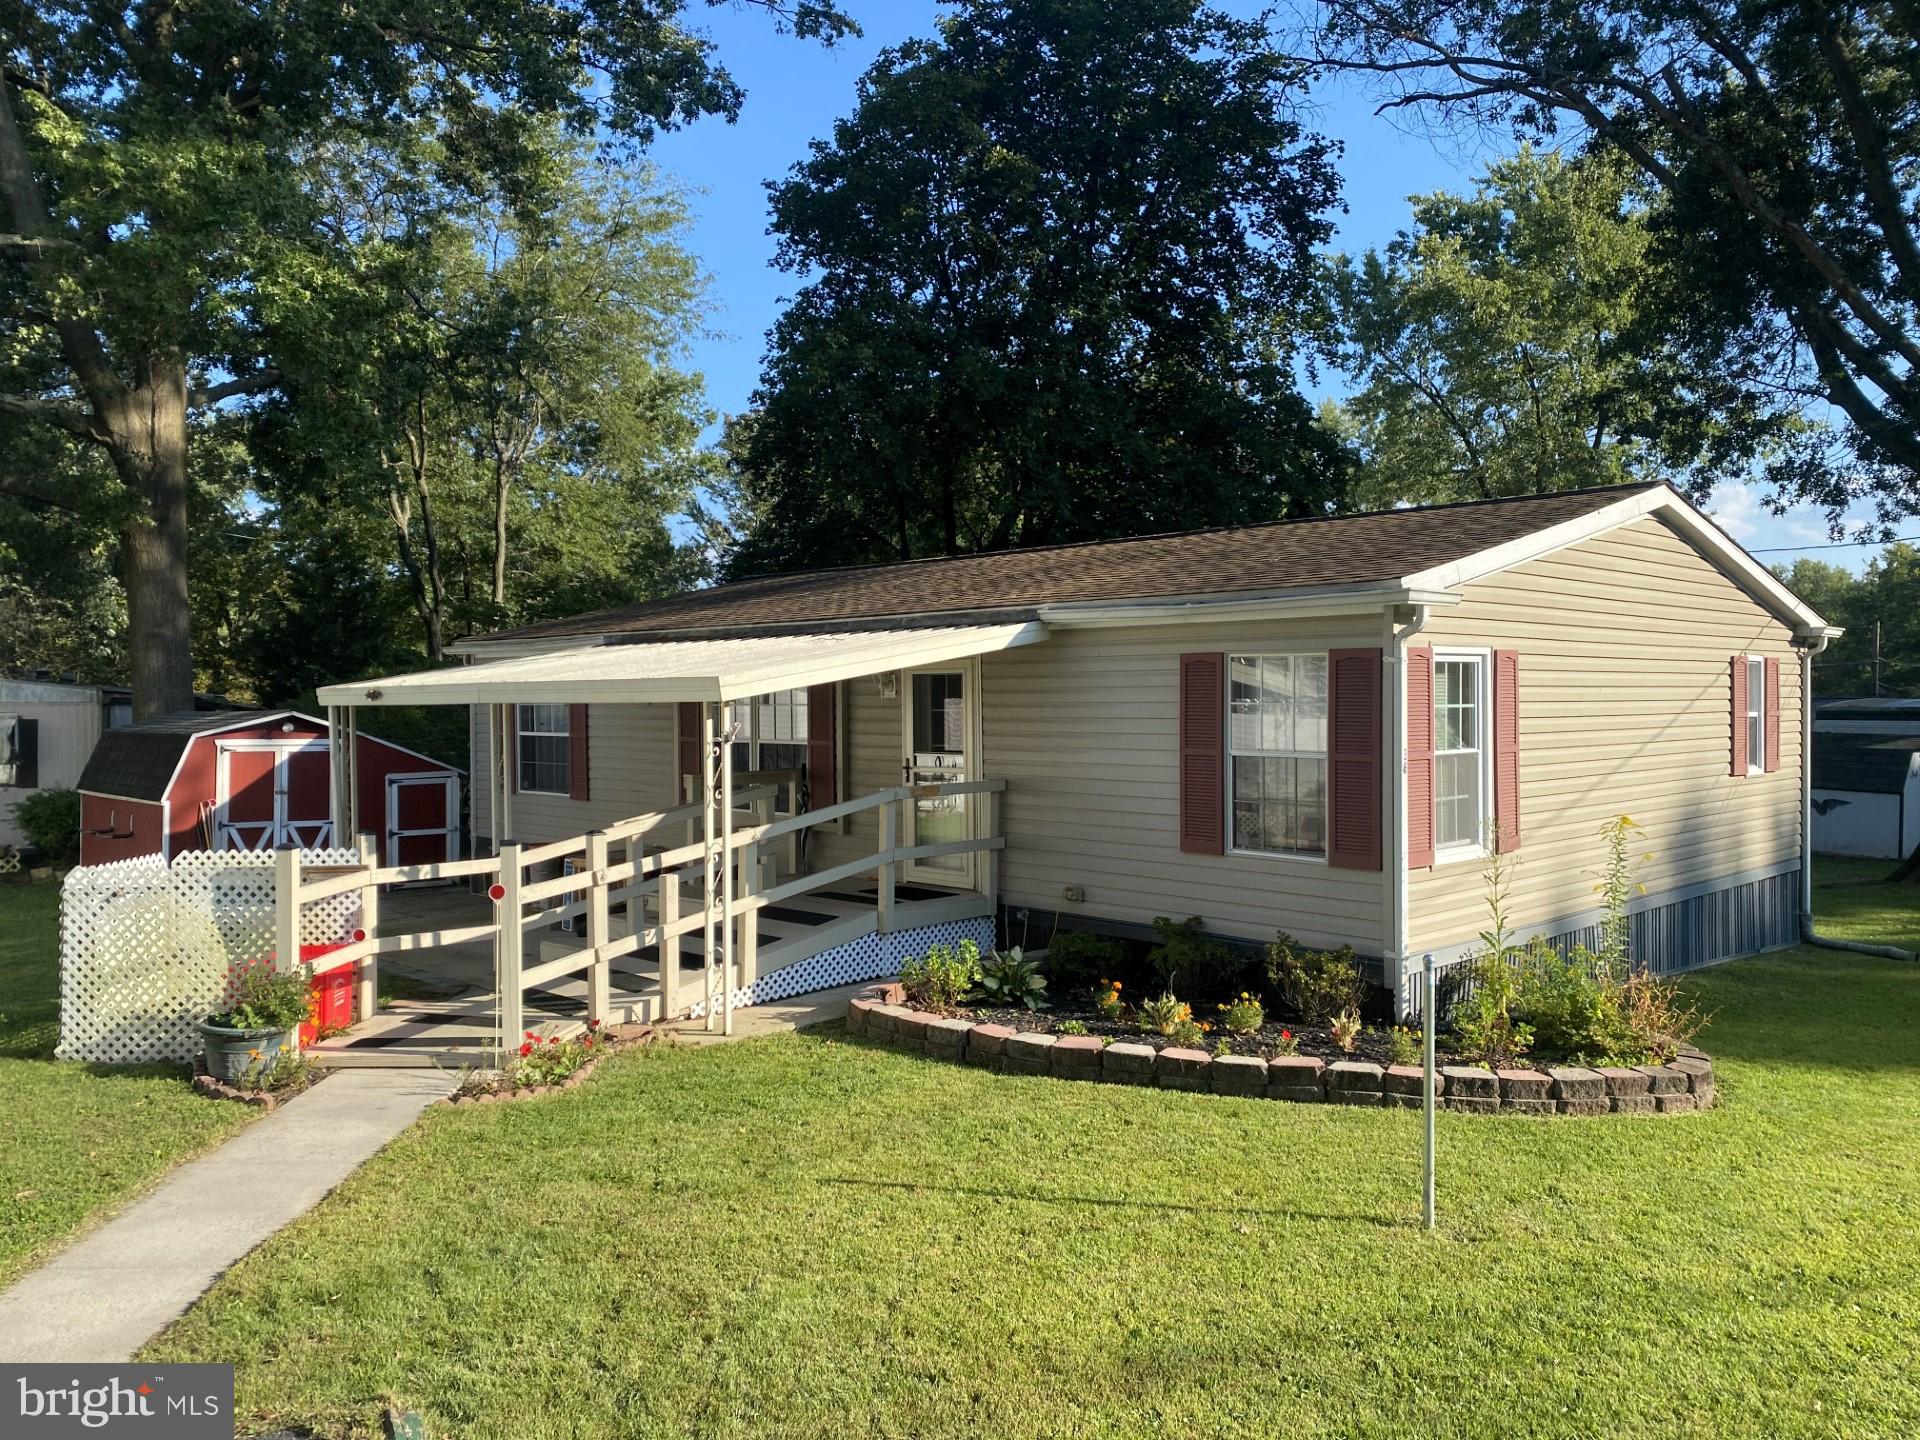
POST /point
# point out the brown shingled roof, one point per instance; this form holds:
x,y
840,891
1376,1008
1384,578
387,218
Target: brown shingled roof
x,y
1283,555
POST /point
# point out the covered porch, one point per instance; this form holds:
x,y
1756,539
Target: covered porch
x,y
738,896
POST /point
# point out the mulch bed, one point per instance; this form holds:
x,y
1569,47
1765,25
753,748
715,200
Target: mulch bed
x,y
1315,1040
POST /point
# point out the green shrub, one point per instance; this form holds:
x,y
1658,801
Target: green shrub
x,y
1346,1029
1243,1014
1076,958
1188,1033
1404,1047
267,998
1106,1000
1073,1027
1489,1032
941,978
1193,963
1315,984
1163,1014
50,819
1009,978
1654,1020
1572,1011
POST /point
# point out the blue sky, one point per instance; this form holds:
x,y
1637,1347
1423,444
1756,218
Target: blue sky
x,y
795,92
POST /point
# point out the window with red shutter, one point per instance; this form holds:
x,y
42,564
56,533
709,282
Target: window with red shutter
x,y
1772,725
1738,720
823,733
1506,750
1203,721
579,781
688,760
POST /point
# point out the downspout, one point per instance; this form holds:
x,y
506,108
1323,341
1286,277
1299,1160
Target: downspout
x,y
1808,935
1400,891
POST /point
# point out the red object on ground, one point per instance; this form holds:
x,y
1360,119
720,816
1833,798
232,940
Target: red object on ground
x,y
332,995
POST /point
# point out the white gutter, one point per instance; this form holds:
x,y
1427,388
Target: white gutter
x,y
1399,889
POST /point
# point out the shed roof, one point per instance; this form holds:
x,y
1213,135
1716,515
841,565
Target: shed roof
x,y
137,761
1870,764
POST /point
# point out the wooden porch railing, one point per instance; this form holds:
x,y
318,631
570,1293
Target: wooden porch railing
x,y
615,869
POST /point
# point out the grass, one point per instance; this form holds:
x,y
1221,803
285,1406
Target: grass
x,y
76,1141
806,1237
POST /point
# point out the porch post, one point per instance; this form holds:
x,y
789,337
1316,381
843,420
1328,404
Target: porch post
x,y
706,856
599,930
883,879
349,836
367,971
339,776
503,762
669,946
286,908
509,952
726,864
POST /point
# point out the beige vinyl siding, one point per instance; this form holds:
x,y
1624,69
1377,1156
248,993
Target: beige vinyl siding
x,y
1084,728
630,763
1625,643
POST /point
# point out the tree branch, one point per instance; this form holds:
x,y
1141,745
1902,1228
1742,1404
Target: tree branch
x,y
71,418
265,379
21,489
33,247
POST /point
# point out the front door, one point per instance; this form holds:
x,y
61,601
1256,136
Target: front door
x,y
937,710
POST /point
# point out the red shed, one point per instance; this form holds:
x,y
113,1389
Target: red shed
x,y
257,780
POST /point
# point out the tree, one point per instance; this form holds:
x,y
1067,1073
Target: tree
x,y
1880,608
1784,139
156,211
1503,347
520,423
1055,259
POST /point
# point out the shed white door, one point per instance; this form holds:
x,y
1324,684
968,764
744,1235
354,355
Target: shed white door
x,y
938,710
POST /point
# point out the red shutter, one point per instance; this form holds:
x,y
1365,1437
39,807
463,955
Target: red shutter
x,y
1506,750
1354,762
1739,670
823,729
1772,720
579,782
688,750
513,748
1203,758
1419,757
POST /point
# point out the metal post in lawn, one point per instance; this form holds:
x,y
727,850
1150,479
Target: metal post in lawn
x,y
1427,1085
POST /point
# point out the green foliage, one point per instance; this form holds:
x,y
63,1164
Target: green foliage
x,y
940,979
1287,1044
50,819
1570,1005
1879,608
265,997
1190,962
1106,1000
1784,250
1053,266
1188,1033
1010,978
1404,1047
552,1060
1483,1021
286,1072
1656,1018
1073,1027
1616,888
1243,1014
1315,985
1076,958
1164,1013
1488,343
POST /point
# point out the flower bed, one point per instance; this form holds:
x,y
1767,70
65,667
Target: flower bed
x,y
1684,1084
544,1065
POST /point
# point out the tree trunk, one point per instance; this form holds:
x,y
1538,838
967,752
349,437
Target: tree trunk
x,y
149,449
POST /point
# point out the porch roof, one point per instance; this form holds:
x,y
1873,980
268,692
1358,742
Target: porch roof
x,y
686,670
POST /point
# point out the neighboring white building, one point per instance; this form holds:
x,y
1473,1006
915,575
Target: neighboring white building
x,y
48,728
1866,793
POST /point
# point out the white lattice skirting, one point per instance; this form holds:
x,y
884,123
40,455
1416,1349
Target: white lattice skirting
x,y
147,948
867,958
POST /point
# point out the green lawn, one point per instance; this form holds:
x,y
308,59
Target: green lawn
x,y
805,1237
76,1141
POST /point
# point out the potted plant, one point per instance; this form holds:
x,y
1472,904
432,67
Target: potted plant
x,y
268,1006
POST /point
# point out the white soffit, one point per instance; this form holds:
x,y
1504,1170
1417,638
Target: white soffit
x,y
692,670
1707,537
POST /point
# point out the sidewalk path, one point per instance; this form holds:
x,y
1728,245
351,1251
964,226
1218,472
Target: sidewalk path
x,y
112,1291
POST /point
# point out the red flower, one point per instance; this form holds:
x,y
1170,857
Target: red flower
x,y
526,1047
1286,1034
527,1035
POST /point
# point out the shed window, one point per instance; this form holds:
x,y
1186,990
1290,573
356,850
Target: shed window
x,y
17,745
545,749
1756,715
1277,749
1460,768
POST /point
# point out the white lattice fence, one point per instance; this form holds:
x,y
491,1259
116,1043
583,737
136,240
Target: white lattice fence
x,y
146,949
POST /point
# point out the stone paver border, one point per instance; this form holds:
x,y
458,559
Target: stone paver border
x,y
879,1013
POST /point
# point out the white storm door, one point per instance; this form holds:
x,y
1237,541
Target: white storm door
x,y
939,710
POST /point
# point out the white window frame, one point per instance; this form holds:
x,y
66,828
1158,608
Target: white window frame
x,y
521,730
1756,717
1482,659
1324,756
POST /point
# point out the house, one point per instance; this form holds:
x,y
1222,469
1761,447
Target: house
x,y
1866,793
257,780
1318,726
47,729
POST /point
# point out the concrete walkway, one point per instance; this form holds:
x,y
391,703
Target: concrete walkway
x,y
112,1291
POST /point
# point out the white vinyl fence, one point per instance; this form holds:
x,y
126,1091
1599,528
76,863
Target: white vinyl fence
x,y
146,948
